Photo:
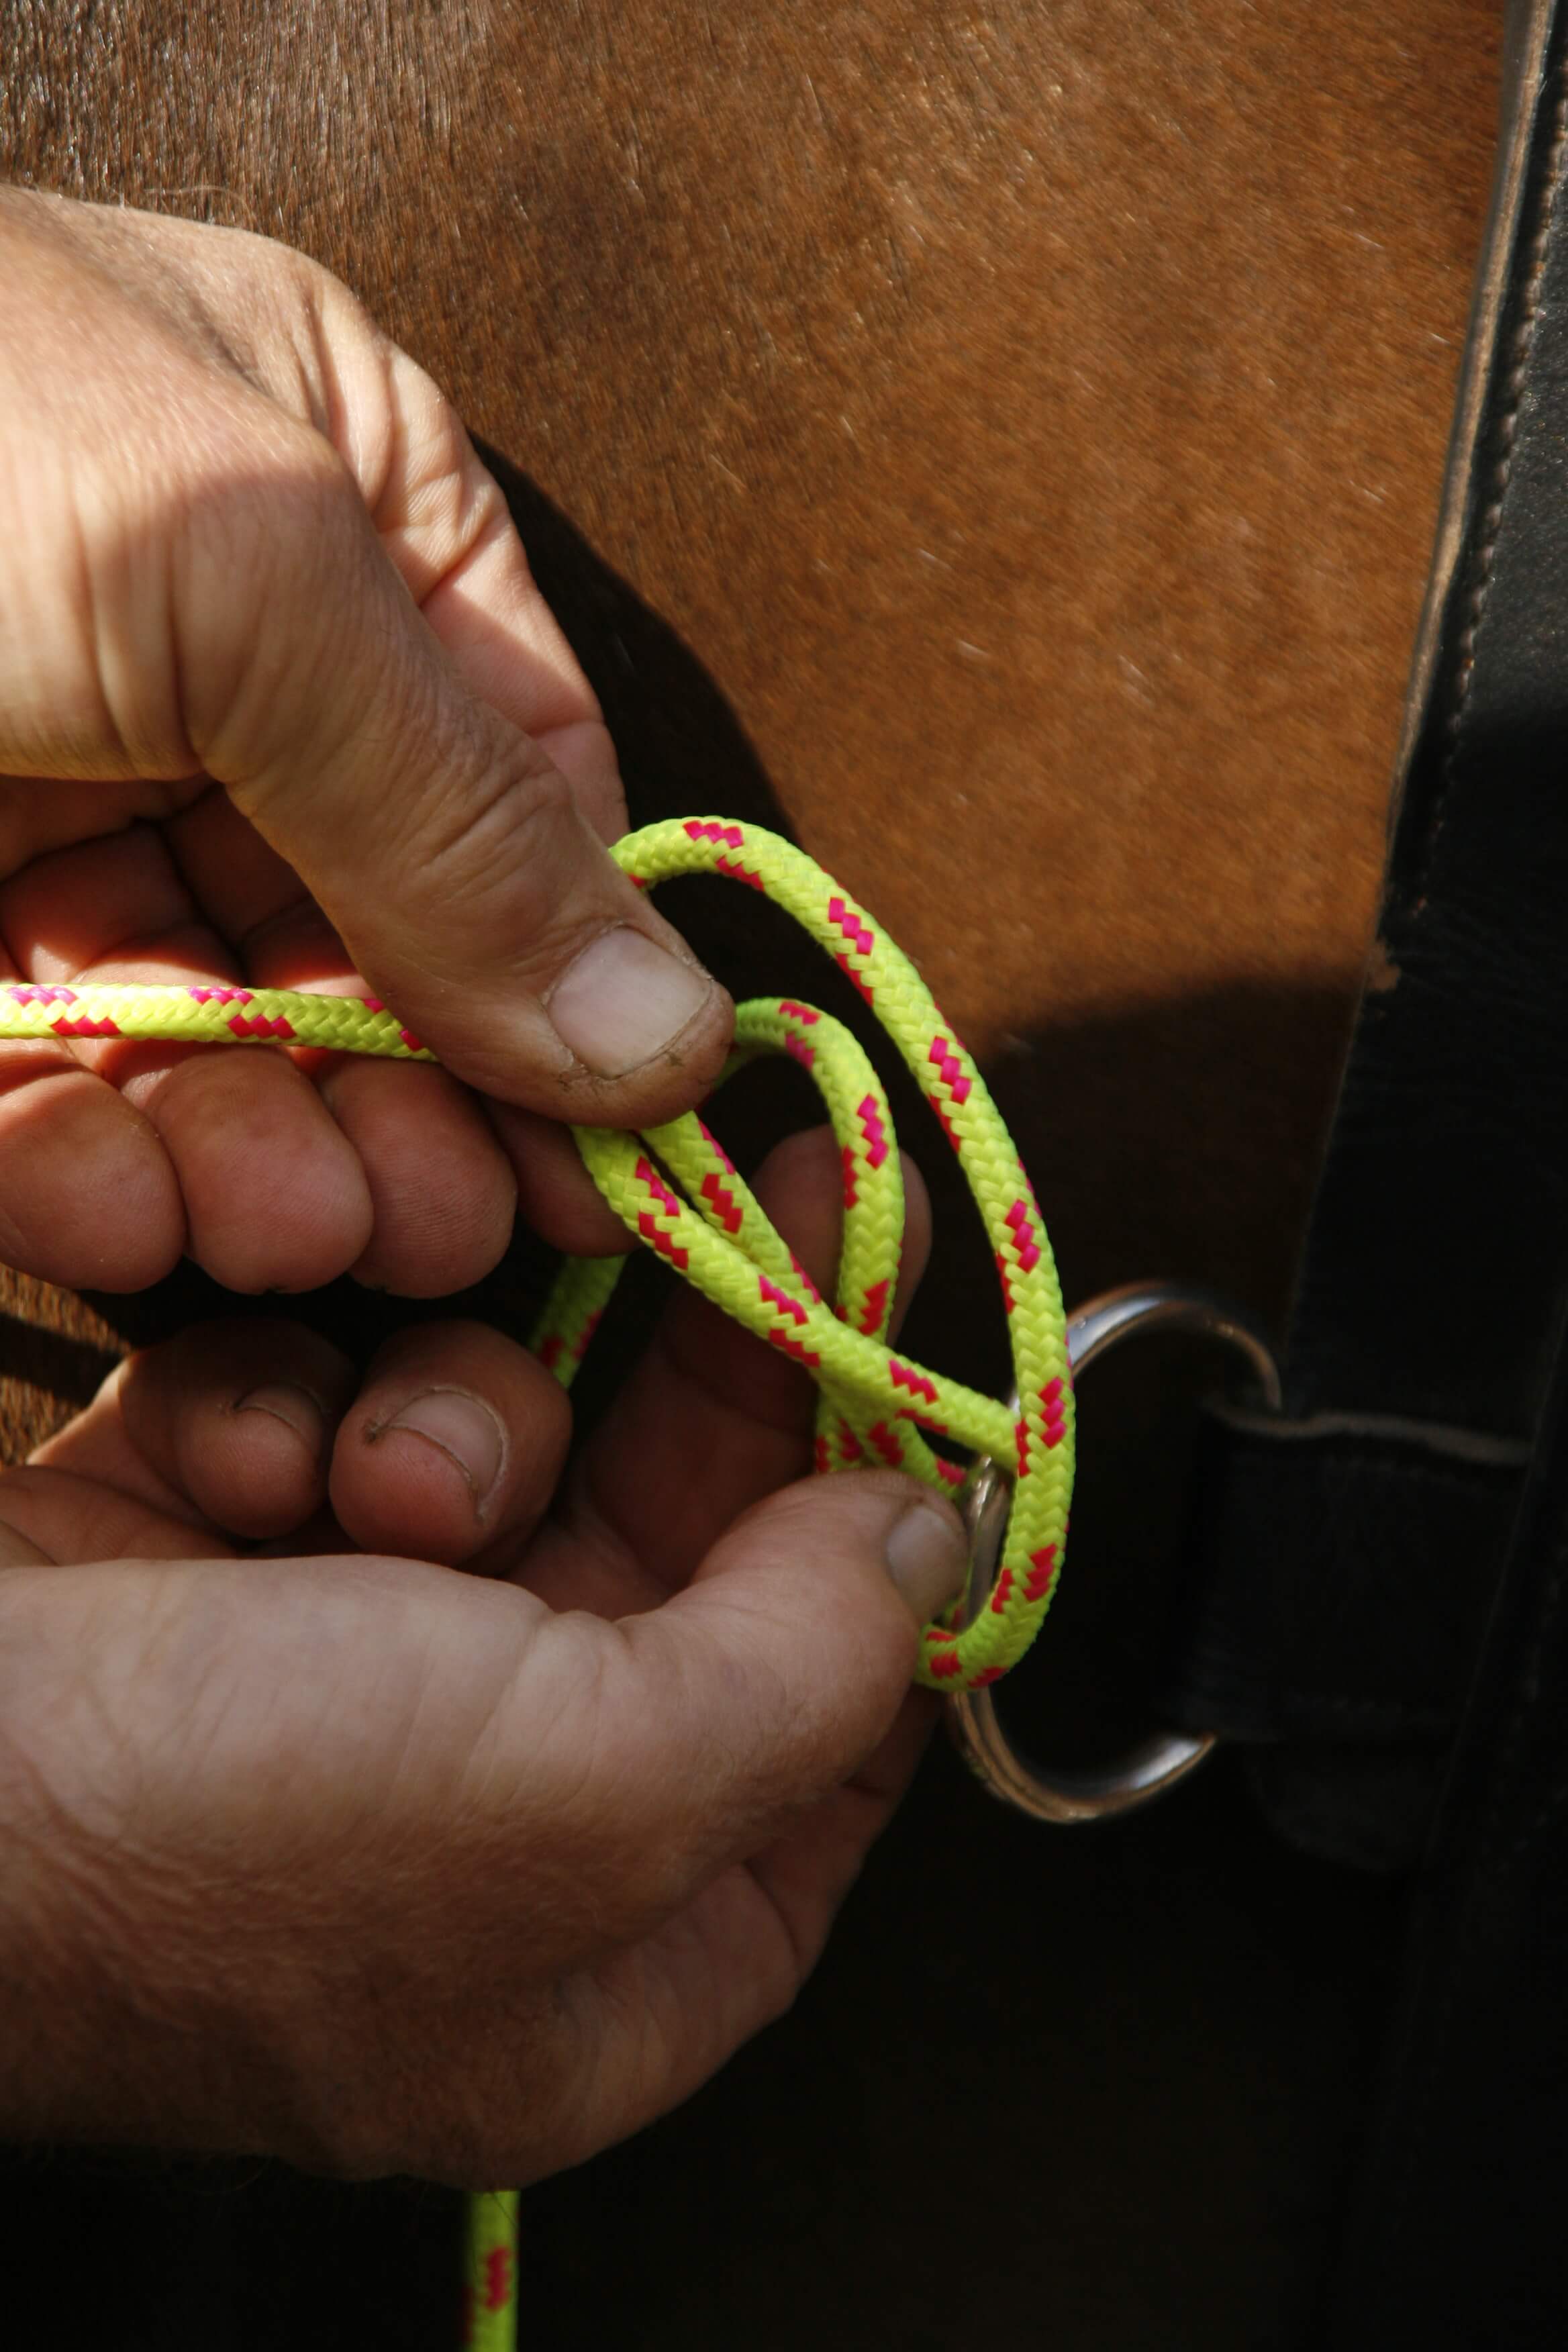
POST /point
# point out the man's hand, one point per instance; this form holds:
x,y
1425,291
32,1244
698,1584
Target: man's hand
x,y
383,1867
280,702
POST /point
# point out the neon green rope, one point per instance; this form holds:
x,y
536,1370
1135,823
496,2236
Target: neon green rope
x,y
490,2282
677,1191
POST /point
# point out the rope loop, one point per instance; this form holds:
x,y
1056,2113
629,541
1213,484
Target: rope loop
x,y
677,1191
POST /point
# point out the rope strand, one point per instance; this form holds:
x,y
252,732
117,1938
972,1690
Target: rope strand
x,y
679,1192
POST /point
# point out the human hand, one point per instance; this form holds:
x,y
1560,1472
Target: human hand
x,y
377,1866
280,702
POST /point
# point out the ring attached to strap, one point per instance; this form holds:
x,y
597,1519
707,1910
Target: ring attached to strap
x,y
1158,1762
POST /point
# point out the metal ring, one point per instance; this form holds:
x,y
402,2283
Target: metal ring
x,y
1158,1762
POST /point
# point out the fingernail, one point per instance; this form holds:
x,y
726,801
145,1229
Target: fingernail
x,y
296,1407
927,1555
624,999
463,1428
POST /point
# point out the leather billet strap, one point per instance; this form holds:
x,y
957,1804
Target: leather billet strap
x,y
1293,1518
1349,1556
1401,1660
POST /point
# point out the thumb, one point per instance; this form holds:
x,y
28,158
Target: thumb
x,y
766,1683
441,840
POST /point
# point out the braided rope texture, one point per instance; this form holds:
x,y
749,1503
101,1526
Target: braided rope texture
x,y
677,1191
489,2281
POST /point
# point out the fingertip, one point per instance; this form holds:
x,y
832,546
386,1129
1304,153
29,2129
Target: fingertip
x,y
863,1516
810,1606
275,1196
648,1023
262,1470
766,1683
925,1551
488,911
88,1198
238,1418
438,1459
452,1449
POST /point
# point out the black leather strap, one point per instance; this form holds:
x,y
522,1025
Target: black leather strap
x,y
1319,1616
1457,2237
1437,1257
1399,1662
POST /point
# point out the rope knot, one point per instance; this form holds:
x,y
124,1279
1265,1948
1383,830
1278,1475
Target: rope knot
x,y
677,1188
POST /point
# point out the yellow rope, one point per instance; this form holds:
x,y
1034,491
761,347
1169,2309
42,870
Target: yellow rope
x,y
677,1191
489,2281
874,1404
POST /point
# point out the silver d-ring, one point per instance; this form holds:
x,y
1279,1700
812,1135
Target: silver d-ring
x,y
1158,1762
